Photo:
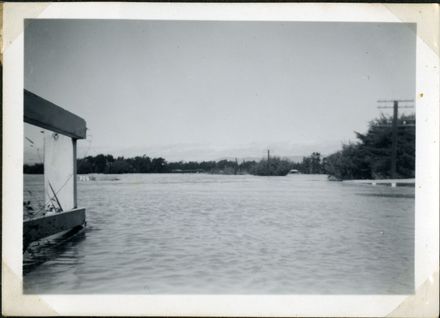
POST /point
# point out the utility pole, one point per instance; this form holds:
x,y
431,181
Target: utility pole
x,y
394,140
394,130
268,158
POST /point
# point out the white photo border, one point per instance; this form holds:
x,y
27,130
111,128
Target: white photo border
x,y
427,167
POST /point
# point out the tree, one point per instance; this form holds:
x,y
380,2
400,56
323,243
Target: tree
x,y
84,166
37,168
311,164
370,157
120,166
159,165
100,163
273,167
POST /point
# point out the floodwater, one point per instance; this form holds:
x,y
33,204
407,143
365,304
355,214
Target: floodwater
x,y
218,234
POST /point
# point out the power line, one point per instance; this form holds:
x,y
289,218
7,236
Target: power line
x,y
383,107
394,100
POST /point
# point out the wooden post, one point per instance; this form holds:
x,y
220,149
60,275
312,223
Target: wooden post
x,y
75,195
268,158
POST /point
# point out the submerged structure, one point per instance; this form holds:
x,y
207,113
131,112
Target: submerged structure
x,y
61,211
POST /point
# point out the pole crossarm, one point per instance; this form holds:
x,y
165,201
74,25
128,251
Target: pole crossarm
x,y
395,100
384,107
390,126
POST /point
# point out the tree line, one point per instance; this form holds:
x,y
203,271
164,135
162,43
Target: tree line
x,y
367,158
108,164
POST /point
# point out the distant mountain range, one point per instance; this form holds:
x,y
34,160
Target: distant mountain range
x,y
199,152
291,158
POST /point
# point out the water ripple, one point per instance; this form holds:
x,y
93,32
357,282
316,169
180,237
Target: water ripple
x,y
162,234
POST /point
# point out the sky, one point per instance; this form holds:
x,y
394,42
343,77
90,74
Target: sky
x,y
203,90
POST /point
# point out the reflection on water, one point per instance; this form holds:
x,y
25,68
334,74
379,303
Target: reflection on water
x,y
163,234
50,248
389,195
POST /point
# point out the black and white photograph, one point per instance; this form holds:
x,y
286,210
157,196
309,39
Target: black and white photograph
x,y
215,157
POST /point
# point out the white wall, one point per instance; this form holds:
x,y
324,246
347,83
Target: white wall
x,y
59,169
